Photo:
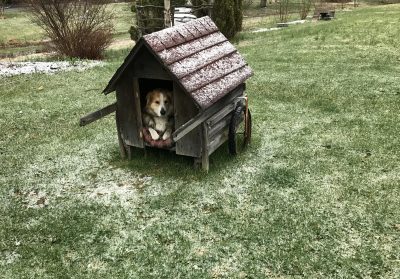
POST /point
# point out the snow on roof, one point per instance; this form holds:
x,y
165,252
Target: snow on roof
x,y
200,58
207,65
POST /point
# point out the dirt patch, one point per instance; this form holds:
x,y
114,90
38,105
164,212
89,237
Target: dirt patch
x,y
26,56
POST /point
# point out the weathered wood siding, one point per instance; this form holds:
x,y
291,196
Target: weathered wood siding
x,y
218,124
146,66
126,112
185,109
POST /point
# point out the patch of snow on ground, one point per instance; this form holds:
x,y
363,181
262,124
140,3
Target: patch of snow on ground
x,y
18,68
278,28
266,29
300,21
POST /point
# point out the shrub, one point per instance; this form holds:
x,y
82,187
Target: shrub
x,y
238,15
152,18
283,10
77,28
247,4
227,15
2,7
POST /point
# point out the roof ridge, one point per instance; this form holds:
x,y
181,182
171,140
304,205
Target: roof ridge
x,y
195,55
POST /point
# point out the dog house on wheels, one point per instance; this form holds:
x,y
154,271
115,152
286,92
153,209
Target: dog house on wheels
x,y
206,75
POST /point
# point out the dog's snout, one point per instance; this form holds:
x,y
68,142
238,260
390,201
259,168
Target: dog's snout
x,y
163,111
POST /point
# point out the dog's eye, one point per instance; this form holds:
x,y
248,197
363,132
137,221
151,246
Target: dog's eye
x,y
166,102
157,102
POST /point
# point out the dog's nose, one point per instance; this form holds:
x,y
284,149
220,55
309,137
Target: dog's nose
x,y
163,111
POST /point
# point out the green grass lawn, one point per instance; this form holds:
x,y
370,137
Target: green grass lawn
x,y
315,196
16,28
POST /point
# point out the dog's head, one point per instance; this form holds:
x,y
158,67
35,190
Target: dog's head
x,y
159,102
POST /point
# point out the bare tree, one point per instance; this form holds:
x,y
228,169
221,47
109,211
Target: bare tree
x,y
77,28
2,7
305,7
283,10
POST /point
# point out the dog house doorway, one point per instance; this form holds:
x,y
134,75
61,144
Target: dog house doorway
x,y
146,85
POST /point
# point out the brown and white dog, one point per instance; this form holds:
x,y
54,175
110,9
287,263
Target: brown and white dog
x,y
158,114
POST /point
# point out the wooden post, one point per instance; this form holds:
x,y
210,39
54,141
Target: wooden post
x,y
122,147
196,163
204,149
210,9
167,13
139,19
130,151
138,109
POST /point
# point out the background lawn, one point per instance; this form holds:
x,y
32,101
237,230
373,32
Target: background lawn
x,y
315,196
19,35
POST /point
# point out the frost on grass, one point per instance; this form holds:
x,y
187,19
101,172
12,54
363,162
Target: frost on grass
x,y
123,190
77,173
8,258
19,68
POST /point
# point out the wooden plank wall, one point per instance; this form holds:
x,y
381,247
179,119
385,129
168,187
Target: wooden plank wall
x,y
185,109
146,66
126,110
218,124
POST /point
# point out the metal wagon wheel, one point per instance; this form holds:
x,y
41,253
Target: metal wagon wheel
x,y
239,129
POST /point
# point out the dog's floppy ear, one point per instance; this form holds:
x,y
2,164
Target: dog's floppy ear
x,y
148,98
169,94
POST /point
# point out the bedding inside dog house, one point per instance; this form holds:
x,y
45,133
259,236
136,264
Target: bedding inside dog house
x,y
201,67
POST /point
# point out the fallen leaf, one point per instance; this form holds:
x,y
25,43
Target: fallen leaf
x,y
41,201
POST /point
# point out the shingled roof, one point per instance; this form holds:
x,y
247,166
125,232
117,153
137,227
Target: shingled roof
x,y
199,57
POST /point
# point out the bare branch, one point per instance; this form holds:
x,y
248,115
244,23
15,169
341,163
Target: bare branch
x,y
77,28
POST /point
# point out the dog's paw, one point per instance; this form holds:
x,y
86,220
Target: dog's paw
x,y
166,135
154,134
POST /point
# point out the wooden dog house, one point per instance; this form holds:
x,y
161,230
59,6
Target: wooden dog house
x,y
204,71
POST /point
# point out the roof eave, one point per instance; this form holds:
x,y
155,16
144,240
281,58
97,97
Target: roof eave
x,y
111,86
173,77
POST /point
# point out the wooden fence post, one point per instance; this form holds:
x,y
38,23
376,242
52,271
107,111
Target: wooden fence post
x,y
167,13
211,3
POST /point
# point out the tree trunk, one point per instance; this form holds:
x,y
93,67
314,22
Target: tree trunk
x,y
263,3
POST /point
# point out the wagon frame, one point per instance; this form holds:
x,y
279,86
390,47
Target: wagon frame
x,y
206,75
